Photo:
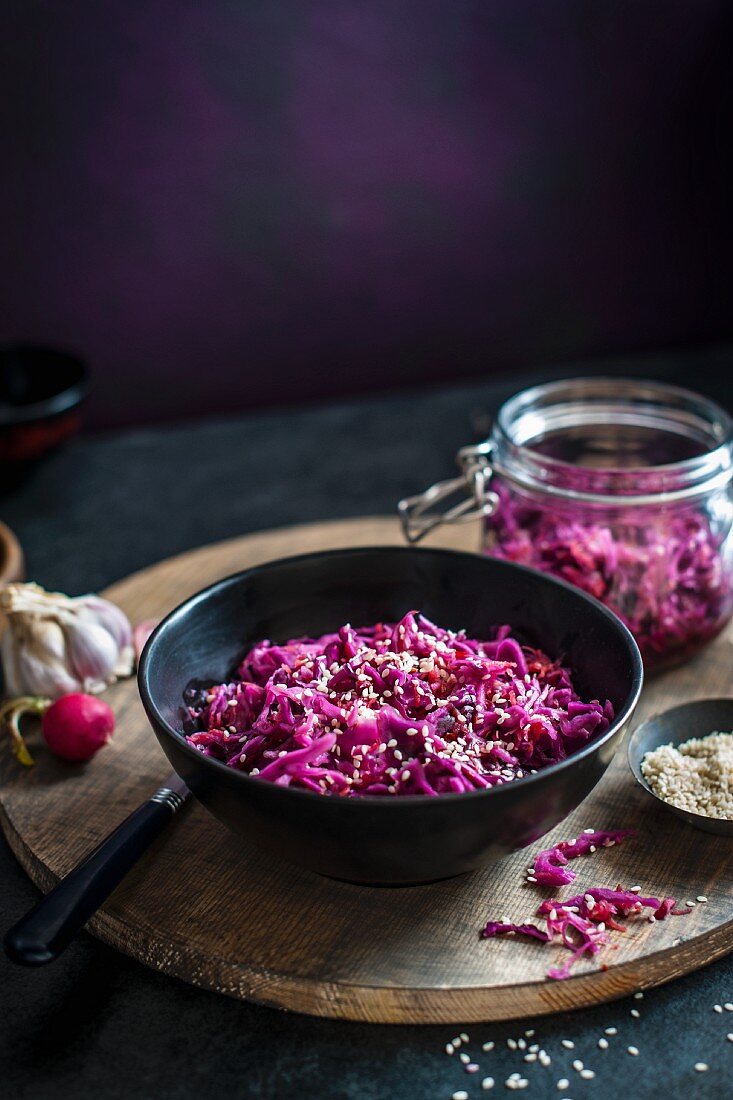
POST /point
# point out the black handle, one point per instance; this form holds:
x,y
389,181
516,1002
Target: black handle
x,y
41,935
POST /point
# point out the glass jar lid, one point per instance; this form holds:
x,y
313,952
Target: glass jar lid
x,y
601,439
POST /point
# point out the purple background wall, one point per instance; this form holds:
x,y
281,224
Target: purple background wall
x,y
224,204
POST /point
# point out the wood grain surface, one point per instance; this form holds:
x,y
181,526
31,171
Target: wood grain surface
x,y
205,907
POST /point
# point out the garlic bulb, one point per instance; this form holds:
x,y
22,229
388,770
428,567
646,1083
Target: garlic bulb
x,y
55,644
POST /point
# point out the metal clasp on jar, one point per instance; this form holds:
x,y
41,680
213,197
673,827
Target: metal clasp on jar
x,y
425,511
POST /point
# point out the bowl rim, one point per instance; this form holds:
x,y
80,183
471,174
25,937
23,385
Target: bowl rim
x,y
635,764
56,404
498,791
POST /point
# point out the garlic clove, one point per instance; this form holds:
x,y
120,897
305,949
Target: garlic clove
x,y
93,653
108,615
8,652
40,672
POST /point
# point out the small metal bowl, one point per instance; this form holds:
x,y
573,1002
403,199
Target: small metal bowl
x,y
673,727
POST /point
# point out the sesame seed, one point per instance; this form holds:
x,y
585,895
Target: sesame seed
x,y
639,996
701,1067
690,903
702,898
568,1044
530,1057
457,1041
577,1065
563,1083
472,1067
603,1044
729,1036
464,1037
449,1048
635,1013
487,1083
611,1030
488,1046
544,1058
635,889
633,1050
728,1006
522,1044
717,1008
465,1058
587,1074
392,743
461,1095
512,1044
530,1033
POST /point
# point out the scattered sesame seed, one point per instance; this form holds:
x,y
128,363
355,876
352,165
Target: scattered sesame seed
x,y
457,1041
587,1074
544,1058
522,1044
702,898
464,1037
603,1044
635,889
472,1067
563,1083
512,1044
535,1047
487,1083
635,1013
531,1056
611,1030
461,1095
465,1058
449,1048
639,996
717,1008
701,1067
690,903
729,1036
728,1006
633,1050
568,1044
489,1045
577,1065
530,1033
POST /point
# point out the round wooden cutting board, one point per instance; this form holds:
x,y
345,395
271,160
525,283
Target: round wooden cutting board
x,y
206,907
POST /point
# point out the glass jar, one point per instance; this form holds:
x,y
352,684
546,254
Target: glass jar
x,y
619,486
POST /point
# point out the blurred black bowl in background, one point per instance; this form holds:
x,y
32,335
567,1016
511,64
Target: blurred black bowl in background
x,y
40,393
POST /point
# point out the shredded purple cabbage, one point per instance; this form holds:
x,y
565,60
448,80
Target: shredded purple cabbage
x,y
497,928
550,865
664,574
583,923
405,708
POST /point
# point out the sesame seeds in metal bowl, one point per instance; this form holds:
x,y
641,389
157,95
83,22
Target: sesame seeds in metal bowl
x,y
676,761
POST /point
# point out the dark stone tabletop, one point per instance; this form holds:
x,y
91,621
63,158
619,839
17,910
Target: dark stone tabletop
x,y
97,1024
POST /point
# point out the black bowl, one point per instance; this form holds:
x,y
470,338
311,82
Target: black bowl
x,y
672,727
41,390
382,840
